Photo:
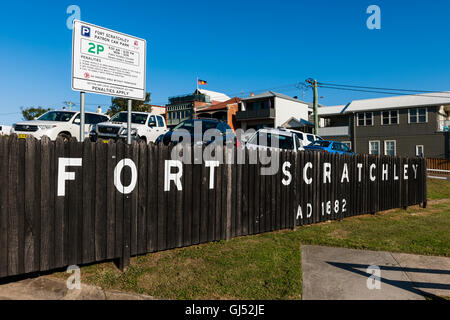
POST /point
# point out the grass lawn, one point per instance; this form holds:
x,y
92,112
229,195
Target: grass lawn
x,y
268,266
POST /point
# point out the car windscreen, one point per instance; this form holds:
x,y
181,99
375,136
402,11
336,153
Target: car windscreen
x,y
267,139
345,148
57,116
310,137
190,124
320,143
137,118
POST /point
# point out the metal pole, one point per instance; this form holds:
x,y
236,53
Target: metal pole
x,y
316,111
129,122
82,116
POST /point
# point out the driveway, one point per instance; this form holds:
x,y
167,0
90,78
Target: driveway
x,y
342,274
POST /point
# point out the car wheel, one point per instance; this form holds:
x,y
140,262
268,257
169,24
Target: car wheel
x,y
64,136
142,139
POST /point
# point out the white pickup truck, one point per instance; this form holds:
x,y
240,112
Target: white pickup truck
x,y
53,124
144,126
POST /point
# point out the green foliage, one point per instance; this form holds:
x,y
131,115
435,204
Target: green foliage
x,y
121,104
33,112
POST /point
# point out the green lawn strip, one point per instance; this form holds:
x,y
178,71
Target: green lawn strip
x,y
268,266
438,189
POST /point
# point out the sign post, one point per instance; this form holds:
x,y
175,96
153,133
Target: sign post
x,y
107,62
82,119
129,122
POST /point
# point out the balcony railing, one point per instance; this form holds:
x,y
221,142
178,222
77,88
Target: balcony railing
x,y
190,97
444,125
334,131
268,113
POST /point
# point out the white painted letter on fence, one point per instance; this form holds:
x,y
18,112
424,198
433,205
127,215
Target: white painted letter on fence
x,y
63,175
373,166
286,180
211,165
118,170
305,170
175,177
326,172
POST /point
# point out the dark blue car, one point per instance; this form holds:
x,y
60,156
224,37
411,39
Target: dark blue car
x,y
330,146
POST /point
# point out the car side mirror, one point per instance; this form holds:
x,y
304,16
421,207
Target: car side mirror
x,y
77,121
152,124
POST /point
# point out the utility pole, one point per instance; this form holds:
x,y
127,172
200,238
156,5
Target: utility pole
x,y
315,104
69,104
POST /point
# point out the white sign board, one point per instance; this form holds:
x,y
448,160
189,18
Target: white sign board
x,y
107,62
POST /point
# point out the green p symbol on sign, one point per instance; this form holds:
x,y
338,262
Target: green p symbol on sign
x,y
100,48
92,47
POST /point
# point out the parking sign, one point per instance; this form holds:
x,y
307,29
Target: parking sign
x,y
107,62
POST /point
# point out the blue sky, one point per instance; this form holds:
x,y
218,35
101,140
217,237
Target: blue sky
x,y
237,46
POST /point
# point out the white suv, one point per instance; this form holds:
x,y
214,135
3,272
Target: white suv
x,y
267,138
65,124
305,138
144,126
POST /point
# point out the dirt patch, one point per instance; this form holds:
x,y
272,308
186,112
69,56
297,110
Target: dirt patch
x,y
339,234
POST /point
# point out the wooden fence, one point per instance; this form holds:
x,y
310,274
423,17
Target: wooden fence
x,y
438,168
97,219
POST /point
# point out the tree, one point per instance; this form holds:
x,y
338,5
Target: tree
x,y
33,112
121,104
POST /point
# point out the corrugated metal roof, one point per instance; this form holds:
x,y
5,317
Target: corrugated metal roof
x,y
427,99
331,110
272,94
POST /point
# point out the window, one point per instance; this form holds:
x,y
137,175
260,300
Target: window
x,y
160,121
321,143
152,121
345,148
389,117
310,138
365,119
139,118
419,150
374,147
299,135
348,144
389,148
94,118
418,115
57,116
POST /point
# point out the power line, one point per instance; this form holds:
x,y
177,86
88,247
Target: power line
x,y
377,88
384,92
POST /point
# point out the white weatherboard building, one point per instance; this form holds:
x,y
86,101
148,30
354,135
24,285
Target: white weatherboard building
x,y
270,109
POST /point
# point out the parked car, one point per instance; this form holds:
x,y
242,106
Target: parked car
x,y
330,147
264,138
53,124
305,138
186,128
144,126
5,130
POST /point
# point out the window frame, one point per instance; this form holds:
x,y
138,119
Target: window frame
x,y
423,150
348,143
390,117
395,147
370,149
417,115
365,119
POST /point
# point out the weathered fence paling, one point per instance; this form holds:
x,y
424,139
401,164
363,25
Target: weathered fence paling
x,y
124,200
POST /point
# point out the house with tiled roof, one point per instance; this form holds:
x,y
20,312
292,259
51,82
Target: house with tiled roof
x,y
224,111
